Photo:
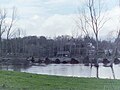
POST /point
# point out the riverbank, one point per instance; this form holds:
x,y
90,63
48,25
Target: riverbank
x,y
25,81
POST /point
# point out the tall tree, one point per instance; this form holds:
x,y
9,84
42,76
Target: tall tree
x,y
9,27
95,19
5,25
2,26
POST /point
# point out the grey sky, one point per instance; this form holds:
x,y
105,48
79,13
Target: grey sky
x,y
54,17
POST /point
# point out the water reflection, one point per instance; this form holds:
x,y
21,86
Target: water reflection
x,y
13,67
75,70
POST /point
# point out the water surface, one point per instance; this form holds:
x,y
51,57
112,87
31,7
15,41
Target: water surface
x,y
74,70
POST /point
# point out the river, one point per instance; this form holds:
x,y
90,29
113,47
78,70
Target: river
x,y
74,70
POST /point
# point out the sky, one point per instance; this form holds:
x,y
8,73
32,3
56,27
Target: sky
x,y
56,17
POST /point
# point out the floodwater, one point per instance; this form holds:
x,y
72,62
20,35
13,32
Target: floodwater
x,y
74,70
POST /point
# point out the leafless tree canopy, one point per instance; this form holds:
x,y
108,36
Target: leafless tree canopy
x,y
93,18
6,25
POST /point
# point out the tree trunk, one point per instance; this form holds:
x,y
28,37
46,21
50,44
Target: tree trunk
x,y
96,56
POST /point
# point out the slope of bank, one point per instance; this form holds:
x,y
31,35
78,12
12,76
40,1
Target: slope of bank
x,y
24,81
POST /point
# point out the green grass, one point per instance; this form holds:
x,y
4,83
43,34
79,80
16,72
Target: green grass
x,y
24,81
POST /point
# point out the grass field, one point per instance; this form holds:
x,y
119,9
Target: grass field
x,y
24,81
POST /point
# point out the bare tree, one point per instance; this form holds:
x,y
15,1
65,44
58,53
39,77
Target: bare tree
x,y
116,47
9,27
2,26
82,23
6,26
95,19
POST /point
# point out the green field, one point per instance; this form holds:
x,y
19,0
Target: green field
x,y
24,81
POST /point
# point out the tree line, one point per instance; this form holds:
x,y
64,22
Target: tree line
x,y
47,47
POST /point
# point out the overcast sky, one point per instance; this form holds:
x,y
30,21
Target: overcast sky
x,y
55,17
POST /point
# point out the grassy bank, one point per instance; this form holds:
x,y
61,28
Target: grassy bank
x,y
24,81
